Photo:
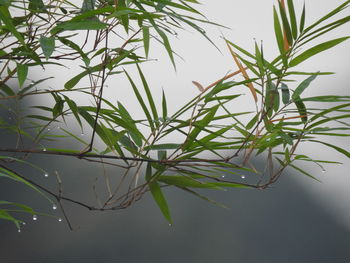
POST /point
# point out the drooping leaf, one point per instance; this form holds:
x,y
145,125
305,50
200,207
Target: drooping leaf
x,y
157,193
47,45
146,39
22,72
285,93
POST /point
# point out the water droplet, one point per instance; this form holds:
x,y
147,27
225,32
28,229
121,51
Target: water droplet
x,y
243,176
23,223
19,230
59,219
323,170
223,176
170,224
46,175
48,129
44,149
35,217
58,127
54,207
82,134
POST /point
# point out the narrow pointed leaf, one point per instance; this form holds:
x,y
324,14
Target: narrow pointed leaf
x,y
292,17
22,72
303,85
315,50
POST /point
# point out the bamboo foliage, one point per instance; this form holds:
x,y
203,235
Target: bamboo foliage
x,y
214,144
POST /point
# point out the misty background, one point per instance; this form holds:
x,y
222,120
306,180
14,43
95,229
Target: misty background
x,y
296,220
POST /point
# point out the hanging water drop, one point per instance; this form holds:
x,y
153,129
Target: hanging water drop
x,y
223,176
243,176
59,219
58,127
46,175
35,217
19,230
23,223
44,149
48,129
170,224
82,134
323,170
54,207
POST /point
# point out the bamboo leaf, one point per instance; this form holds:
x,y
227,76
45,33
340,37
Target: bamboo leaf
x,y
244,73
157,193
285,93
315,50
141,102
292,17
301,109
5,16
47,45
146,39
200,125
302,20
22,72
164,107
303,85
279,35
286,26
149,94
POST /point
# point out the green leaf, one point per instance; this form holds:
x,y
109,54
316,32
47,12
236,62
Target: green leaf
x,y
36,5
199,126
292,17
146,39
74,108
164,146
304,172
22,72
8,91
252,122
79,25
302,20
329,15
74,46
88,5
164,107
6,216
315,50
47,45
279,34
141,102
136,136
303,85
157,193
286,25
5,16
9,174
285,93
301,109
184,181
